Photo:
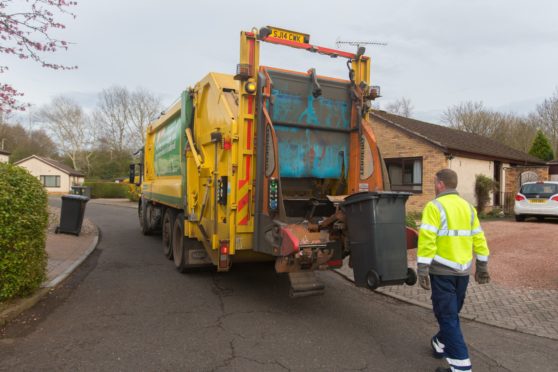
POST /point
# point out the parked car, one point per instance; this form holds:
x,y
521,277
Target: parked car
x,y
536,199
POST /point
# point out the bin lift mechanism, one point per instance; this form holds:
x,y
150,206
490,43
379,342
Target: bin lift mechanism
x,y
295,238
361,93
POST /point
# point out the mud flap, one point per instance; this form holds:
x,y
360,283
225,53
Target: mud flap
x,y
305,283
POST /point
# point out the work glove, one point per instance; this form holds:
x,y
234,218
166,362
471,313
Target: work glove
x,y
423,277
481,273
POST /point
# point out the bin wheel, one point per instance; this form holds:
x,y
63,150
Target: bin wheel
x,y
411,277
167,232
372,280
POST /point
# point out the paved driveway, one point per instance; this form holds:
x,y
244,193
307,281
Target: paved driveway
x,y
523,254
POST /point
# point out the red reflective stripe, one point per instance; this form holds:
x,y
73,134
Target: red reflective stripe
x,y
247,177
242,202
248,134
244,221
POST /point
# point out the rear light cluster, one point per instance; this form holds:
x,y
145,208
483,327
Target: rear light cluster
x,y
519,197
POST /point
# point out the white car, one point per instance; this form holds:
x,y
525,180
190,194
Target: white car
x,y
536,199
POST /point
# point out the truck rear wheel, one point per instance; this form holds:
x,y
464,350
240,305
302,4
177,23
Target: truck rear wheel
x,y
149,217
167,232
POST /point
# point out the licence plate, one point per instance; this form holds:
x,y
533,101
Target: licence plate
x,y
296,37
537,201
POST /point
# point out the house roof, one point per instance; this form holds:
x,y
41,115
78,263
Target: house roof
x,y
54,163
453,141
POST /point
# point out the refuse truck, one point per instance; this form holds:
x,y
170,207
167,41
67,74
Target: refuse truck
x,y
268,164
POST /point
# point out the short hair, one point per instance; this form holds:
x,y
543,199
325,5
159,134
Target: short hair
x,y
448,177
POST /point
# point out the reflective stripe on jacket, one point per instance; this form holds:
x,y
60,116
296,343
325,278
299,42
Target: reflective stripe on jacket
x,y
449,233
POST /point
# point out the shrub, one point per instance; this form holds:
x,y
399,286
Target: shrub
x,y
483,187
411,219
23,223
107,190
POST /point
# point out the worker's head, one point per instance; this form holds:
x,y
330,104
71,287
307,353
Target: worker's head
x,y
445,179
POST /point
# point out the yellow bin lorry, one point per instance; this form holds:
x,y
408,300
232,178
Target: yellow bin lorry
x,y
256,166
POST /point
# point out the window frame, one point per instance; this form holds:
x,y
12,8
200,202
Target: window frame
x,y
57,179
408,187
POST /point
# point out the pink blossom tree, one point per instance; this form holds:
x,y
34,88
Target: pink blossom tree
x,y
26,32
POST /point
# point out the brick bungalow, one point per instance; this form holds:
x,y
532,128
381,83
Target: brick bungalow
x,y
414,151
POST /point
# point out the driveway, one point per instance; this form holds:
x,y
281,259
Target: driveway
x,y
523,254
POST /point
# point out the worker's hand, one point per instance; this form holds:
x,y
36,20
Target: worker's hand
x,y
423,278
481,273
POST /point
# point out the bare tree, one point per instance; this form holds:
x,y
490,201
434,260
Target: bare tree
x,y
144,106
70,129
401,106
112,117
471,117
546,117
506,128
520,133
122,117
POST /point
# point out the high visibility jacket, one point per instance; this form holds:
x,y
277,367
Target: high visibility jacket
x,y
449,233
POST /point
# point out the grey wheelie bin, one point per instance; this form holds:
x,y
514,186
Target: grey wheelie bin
x,y
377,238
71,214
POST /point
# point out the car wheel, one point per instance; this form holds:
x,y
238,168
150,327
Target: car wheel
x,y
519,217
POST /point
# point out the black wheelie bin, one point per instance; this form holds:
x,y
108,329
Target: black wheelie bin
x,y
377,238
71,214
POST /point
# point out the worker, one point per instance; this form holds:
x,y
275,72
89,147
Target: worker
x,y
449,234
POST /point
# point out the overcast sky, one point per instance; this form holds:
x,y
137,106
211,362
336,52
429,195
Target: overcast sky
x,y
439,52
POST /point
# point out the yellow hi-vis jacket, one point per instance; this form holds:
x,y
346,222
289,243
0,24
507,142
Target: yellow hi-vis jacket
x,y
449,233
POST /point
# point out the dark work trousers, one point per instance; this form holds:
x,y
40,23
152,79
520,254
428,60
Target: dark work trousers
x,y
448,294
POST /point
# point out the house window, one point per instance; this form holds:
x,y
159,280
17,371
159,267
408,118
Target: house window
x,y
50,181
405,174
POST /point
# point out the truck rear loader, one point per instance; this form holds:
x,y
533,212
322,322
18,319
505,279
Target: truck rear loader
x,y
258,165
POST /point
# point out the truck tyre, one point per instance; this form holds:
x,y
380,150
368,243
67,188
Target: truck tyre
x,y
149,217
142,215
167,231
179,251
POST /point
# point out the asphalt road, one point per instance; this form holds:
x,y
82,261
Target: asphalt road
x,y
126,308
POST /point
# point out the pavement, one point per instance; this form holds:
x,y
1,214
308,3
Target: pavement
x,y
531,311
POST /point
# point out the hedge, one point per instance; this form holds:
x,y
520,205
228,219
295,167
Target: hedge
x,y
23,224
107,189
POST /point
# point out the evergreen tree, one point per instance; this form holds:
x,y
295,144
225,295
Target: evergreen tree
x,y
541,147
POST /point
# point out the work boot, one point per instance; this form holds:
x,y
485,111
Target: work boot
x,y
437,348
